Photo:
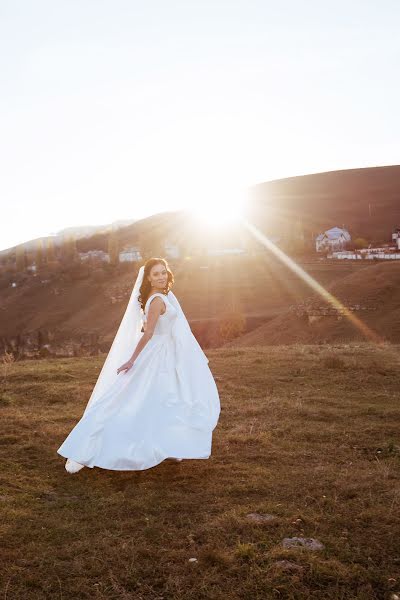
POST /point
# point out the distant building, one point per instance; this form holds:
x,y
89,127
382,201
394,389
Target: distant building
x,y
131,254
346,254
396,237
171,250
99,255
223,251
384,253
332,239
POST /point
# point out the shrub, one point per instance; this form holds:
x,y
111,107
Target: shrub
x,y
334,362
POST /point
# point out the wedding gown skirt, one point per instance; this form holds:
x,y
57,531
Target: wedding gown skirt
x,y
156,410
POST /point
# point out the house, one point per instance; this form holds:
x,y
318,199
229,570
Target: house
x,y
345,254
131,254
95,254
223,251
332,239
396,237
171,250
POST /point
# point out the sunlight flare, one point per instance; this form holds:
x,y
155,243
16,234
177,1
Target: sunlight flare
x,y
317,287
218,208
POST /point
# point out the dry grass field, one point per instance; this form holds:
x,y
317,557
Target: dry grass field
x,y
307,434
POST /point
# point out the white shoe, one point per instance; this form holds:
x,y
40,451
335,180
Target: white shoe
x,y
72,466
175,459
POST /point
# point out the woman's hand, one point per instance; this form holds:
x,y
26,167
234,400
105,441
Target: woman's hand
x,y
125,367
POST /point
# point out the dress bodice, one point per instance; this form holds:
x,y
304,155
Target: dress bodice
x,y
166,320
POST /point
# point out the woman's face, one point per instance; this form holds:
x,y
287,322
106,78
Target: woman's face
x,y
158,277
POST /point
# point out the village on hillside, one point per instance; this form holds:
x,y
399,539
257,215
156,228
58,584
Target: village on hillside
x,y
335,243
63,269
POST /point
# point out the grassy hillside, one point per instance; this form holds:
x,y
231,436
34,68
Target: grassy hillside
x,y
75,303
377,289
308,434
79,301
366,201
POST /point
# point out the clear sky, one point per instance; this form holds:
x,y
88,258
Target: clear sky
x,y
116,109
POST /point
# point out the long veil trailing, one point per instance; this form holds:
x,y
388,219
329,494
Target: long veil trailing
x,y
191,361
124,343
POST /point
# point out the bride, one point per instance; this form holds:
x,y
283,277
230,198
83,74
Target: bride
x,y
162,402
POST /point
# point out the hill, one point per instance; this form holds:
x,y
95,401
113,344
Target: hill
x,y
374,294
83,305
80,232
365,201
308,438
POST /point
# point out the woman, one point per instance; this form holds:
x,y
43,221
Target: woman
x,y
162,402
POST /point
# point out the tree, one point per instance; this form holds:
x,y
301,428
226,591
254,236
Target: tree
x,y
360,243
151,244
20,258
50,253
69,250
39,257
113,248
232,322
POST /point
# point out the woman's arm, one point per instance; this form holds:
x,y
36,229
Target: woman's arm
x,y
156,305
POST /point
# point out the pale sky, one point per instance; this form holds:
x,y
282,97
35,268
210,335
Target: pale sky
x,y
116,109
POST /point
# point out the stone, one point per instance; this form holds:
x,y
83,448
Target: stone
x,y
288,565
300,542
260,517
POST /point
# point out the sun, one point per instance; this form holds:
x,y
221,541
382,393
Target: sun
x,y
218,210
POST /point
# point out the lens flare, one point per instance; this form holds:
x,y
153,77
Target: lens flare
x,y
218,205
317,287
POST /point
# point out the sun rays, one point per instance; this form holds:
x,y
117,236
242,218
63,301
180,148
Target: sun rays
x,y
218,207
312,283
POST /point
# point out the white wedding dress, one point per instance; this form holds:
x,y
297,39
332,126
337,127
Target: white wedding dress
x,y
160,408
